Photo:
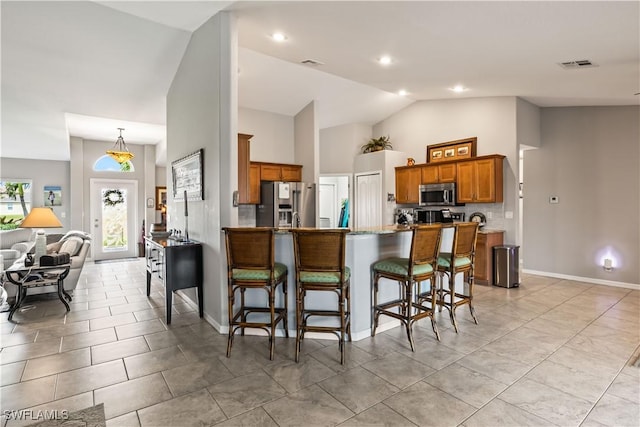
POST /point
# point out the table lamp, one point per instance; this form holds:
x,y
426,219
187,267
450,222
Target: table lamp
x,y
41,218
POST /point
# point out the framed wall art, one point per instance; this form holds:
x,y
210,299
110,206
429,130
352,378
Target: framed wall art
x,y
187,175
452,150
52,195
161,197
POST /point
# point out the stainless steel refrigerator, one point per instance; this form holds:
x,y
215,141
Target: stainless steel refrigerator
x,y
286,205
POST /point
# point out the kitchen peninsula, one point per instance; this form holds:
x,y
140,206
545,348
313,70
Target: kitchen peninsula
x,y
363,248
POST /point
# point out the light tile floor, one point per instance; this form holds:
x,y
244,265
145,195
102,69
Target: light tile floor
x,y
552,352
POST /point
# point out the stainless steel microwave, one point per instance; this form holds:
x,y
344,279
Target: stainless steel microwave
x,y
438,194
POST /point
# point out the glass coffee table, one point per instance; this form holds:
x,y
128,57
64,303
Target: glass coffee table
x,y
34,277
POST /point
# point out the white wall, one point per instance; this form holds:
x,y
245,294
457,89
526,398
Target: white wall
x,y
201,103
307,143
41,173
339,146
491,120
590,158
273,137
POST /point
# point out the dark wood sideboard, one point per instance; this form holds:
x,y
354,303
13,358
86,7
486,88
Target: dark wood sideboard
x,y
177,264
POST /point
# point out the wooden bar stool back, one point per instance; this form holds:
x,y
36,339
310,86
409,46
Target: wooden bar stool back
x,y
409,272
460,260
251,265
320,267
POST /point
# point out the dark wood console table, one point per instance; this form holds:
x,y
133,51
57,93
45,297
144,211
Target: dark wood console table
x,y
177,264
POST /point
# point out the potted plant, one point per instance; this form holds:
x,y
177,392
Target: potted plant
x,y
377,144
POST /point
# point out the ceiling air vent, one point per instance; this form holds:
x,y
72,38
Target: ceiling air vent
x,y
311,62
574,65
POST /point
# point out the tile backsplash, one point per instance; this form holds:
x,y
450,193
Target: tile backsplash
x,y
247,215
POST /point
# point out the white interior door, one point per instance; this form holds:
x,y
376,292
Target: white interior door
x,y
328,206
113,218
368,206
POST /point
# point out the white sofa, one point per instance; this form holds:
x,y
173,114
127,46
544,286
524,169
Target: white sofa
x,y
77,244
14,244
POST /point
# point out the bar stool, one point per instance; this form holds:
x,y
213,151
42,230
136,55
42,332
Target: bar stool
x,y
251,265
409,273
460,260
320,266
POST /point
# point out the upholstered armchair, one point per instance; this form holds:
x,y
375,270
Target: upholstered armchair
x,y
14,244
77,244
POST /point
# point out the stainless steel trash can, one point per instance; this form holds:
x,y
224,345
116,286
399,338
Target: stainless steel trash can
x,y
506,270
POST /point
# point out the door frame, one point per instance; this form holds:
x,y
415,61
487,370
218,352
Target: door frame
x,y
132,215
351,194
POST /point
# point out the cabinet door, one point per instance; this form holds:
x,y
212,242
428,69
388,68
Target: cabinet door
x,y
243,167
407,185
466,182
430,174
483,263
480,181
480,262
270,172
254,184
291,173
447,173
485,171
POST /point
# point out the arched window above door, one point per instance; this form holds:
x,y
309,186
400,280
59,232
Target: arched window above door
x,y
107,164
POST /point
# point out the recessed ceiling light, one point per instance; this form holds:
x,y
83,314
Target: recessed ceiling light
x,y
458,89
385,60
279,37
402,92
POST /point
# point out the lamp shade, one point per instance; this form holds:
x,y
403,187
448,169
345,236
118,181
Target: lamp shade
x,y
41,218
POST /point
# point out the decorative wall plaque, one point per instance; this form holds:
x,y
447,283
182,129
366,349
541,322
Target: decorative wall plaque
x,y
452,150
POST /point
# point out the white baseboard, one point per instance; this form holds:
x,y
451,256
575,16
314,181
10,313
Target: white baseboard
x,y
635,286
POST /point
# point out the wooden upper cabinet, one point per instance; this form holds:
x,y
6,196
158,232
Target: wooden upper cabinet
x,y
408,180
447,173
292,173
280,172
244,150
270,172
435,174
254,183
429,174
480,180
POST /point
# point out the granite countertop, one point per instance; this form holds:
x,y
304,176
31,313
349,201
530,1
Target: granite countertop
x,y
490,230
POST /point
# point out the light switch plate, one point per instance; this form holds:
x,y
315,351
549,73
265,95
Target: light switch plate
x,y
554,199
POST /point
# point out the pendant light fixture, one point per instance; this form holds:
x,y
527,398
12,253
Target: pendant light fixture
x,y
120,153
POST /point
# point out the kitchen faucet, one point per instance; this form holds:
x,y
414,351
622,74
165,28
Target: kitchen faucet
x,y
295,220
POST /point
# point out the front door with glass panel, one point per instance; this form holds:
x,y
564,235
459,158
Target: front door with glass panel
x,y
113,218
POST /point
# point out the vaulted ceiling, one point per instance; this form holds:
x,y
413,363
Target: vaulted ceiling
x,y
85,68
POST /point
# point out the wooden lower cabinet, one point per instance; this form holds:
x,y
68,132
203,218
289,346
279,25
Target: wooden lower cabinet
x,y
483,269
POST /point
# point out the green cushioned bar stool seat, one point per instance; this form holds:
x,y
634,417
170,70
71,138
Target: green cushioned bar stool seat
x,y
246,274
324,276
